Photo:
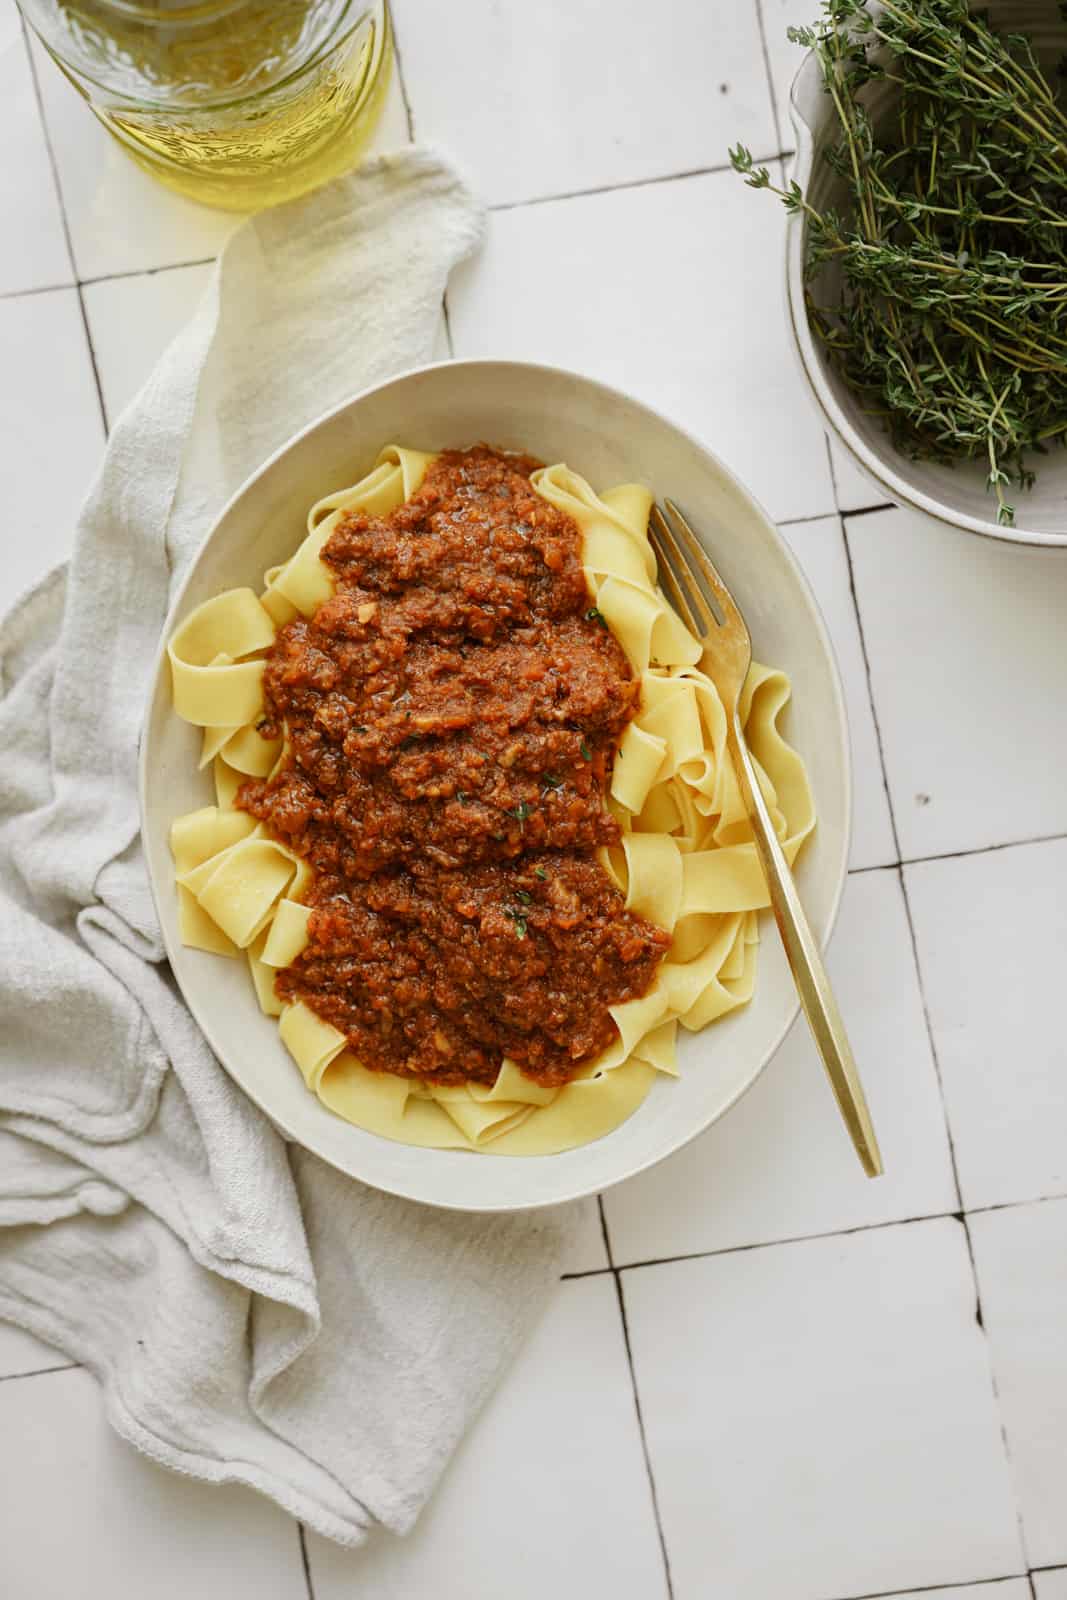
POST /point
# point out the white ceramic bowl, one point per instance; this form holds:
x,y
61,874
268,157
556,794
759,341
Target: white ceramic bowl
x,y
955,497
610,438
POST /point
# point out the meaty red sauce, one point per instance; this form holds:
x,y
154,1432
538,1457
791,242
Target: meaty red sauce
x,y
452,713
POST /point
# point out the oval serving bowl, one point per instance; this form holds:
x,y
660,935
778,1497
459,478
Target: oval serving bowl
x,y
609,438
953,497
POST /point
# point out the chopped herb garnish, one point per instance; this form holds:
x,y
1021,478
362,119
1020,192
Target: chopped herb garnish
x,y
594,614
360,728
587,754
462,796
520,927
524,896
521,811
539,872
550,781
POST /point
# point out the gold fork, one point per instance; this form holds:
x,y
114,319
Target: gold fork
x,y
714,618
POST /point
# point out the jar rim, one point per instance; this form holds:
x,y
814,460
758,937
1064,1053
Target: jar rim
x,y
373,11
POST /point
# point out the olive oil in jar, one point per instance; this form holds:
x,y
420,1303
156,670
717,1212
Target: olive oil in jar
x,y
236,103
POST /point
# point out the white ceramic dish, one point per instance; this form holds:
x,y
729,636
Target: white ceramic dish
x,y
954,497
610,438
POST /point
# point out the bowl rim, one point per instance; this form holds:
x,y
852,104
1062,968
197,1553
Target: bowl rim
x,y
876,466
202,1018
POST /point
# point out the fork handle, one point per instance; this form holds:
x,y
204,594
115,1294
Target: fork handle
x,y
805,960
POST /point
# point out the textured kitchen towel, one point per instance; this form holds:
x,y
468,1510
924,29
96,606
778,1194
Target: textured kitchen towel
x,y
251,1314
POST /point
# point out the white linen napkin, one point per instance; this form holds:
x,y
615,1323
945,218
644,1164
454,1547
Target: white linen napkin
x,y
251,1314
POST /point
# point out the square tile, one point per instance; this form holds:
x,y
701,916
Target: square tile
x,y
991,931
820,1417
50,427
1021,1258
548,1494
779,1165
820,548
34,253
131,322
965,641
122,220
675,292
1051,1585
21,1353
587,95
128,1527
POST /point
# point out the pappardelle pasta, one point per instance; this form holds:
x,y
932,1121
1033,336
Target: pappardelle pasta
x,y
475,828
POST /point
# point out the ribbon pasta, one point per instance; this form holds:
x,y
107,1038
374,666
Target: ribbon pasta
x,y
686,860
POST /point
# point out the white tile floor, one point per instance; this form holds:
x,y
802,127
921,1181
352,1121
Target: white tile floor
x,y
827,1409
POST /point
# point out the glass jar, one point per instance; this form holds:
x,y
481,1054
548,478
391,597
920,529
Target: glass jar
x,y
236,103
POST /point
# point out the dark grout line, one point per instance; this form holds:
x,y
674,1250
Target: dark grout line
x,y
774,1244
92,357
831,514
870,687
762,27
960,855
147,272
38,1372
47,136
308,1584
628,183
641,1429
1013,1205
41,288
649,1473
50,151
979,1318
935,1588
409,112
805,1238
604,1234
984,849
1033,1585
869,511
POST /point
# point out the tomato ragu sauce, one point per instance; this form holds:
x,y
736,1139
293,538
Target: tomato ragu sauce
x,y
453,712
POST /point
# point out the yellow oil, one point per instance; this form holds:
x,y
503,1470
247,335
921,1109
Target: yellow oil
x,y
230,115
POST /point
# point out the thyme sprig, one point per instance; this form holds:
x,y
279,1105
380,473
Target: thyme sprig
x,y
951,320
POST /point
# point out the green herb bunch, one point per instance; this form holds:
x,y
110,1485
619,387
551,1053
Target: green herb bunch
x,y
952,316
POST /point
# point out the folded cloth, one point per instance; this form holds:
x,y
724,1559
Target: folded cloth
x,y
252,1315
